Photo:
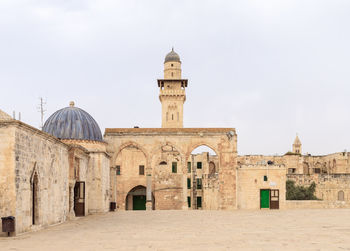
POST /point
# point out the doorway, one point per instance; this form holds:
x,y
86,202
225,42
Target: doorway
x,y
139,202
264,198
35,199
79,198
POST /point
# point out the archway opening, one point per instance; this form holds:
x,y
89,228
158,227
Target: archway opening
x,y
79,198
202,171
136,199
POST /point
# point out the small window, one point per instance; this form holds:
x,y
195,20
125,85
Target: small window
x,y
199,202
199,165
172,74
199,183
189,167
189,201
188,183
172,64
317,170
265,178
141,170
174,167
291,170
118,170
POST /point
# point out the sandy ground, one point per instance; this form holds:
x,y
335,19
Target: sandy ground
x,y
194,230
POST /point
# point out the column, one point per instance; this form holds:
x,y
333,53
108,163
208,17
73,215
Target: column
x,y
149,192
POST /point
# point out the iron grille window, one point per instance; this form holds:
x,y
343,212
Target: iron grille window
x,y
174,167
199,165
141,170
118,170
199,183
199,202
189,167
189,183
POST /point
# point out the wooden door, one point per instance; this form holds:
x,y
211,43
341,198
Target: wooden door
x,y
274,199
79,198
139,202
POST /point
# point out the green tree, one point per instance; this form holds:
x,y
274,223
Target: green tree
x,y
294,192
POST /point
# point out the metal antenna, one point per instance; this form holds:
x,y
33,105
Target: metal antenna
x,y
42,111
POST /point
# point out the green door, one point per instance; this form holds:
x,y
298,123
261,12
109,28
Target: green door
x,y
139,202
265,198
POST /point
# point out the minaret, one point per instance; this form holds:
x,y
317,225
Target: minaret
x,y
297,145
172,92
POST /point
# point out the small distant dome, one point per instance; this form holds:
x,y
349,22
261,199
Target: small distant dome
x,y
172,57
4,116
73,123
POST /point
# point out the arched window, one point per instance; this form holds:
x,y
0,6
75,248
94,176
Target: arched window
x,y
211,168
341,195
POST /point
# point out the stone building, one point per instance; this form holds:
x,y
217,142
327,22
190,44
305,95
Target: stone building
x,y
51,175
68,169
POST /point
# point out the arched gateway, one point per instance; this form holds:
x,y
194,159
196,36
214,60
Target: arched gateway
x,y
158,160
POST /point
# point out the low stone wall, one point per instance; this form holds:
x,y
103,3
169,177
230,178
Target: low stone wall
x,y
315,204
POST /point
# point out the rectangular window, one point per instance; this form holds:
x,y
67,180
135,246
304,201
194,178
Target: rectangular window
x,y
199,202
118,170
199,183
189,201
199,165
174,167
189,183
141,170
291,170
189,167
317,170
265,178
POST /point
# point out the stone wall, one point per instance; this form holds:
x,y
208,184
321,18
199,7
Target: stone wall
x,y
335,163
162,146
328,186
7,172
250,179
37,170
315,204
46,157
99,182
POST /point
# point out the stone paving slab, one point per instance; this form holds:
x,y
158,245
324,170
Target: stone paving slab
x,y
326,229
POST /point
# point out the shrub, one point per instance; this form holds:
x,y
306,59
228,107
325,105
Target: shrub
x,y
294,192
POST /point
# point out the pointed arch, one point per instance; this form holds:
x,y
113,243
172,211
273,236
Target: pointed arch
x,y
35,194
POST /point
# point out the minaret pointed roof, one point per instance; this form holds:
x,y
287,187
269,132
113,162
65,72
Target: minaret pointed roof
x,y
5,116
297,141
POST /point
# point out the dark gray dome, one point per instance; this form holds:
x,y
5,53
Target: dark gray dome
x,y
172,57
73,123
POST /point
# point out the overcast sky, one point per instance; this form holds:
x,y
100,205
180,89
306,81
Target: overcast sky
x,y
270,69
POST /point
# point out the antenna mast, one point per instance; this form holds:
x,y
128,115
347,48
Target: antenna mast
x,y
42,111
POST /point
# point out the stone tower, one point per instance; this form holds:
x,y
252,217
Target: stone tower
x,y
297,145
172,92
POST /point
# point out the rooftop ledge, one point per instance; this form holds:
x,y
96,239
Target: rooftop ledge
x,y
169,130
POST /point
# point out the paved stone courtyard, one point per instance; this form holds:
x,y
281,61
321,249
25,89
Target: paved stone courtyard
x,y
327,229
